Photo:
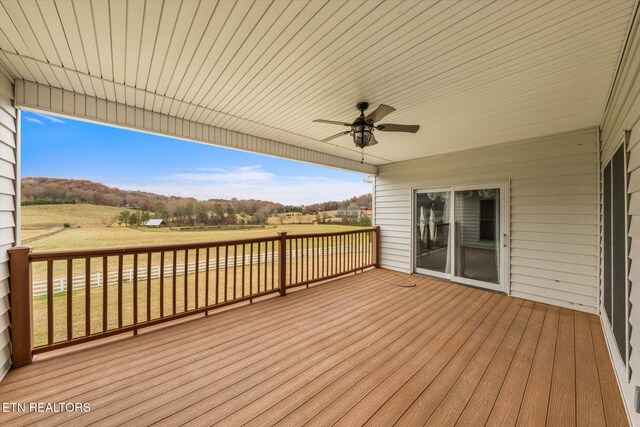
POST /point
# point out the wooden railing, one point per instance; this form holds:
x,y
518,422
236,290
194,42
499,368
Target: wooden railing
x,y
91,294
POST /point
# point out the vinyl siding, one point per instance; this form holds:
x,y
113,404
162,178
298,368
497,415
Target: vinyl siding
x,y
553,204
623,114
8,208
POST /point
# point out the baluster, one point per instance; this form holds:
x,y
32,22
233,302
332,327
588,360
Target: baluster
x,y
362,244
297,261
50,302
282,261
313,258
318,248
175,271
303,261
329,255
161,277
105,297
334,254
290,261
357,244
258,275
367,242
325,258
226,270
352,261
273,264
135,292
342,251
242,274
161,268
251,268
337,253
235,271
206,279
120,291
87,296
217,272
197,278
186,280
266,248
69,299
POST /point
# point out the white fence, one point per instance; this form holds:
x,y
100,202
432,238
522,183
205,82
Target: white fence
x,y
78,282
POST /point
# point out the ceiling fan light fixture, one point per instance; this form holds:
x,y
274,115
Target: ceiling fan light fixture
x,y
362,128
362,134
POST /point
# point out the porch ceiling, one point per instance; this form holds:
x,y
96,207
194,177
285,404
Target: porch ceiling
x,y
470,73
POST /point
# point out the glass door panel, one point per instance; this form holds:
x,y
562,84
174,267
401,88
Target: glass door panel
x,y
477,235
433,210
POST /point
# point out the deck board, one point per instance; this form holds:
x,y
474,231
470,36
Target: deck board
x,y
353,351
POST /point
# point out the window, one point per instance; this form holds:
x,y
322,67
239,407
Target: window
x,y
488,219
614,229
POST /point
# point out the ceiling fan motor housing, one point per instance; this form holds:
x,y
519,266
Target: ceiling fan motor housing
x,y
361,106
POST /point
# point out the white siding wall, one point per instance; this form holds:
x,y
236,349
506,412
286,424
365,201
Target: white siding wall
x,y
8,206
623,114
554,211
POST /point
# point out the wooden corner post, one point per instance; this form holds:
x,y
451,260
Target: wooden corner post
x,y
282,263
376,246
20,295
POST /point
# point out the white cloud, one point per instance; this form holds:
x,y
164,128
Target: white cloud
x,y
33,119
52,119
203,169
251,182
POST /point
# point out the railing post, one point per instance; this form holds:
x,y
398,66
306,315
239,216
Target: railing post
x,y
21,305
282,263
376,245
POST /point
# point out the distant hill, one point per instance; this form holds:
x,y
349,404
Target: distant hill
x,y
42,190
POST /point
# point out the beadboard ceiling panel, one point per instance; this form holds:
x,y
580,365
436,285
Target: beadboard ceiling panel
x,y
471,74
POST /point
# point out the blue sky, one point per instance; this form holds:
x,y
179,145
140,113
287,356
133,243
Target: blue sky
x,y
64,148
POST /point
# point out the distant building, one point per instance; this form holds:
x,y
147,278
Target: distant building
x,y
156,223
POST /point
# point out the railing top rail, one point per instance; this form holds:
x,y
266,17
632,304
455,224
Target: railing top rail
x,y
335,233
94,253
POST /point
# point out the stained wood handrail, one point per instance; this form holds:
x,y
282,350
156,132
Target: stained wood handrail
x,y
103,303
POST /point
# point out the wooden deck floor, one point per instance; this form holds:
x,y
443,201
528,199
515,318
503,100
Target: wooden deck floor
x,y
354,351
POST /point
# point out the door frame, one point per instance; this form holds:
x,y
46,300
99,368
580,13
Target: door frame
x,y
504,284
414,224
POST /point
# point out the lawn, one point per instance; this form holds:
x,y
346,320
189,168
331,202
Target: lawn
x,y
42,217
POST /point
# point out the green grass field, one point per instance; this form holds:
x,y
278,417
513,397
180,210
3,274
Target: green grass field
x,y
91,234
41,217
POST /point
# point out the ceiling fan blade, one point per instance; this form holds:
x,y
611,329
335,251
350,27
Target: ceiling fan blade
x,y
335,136
390,127
332,122
379,113
372,141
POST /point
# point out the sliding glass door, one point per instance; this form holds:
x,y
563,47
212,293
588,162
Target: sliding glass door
x,y
433,212
460,234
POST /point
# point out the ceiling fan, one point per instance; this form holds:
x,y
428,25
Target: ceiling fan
x,y
362,128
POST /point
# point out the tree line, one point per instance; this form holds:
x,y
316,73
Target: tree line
x,y
139,206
